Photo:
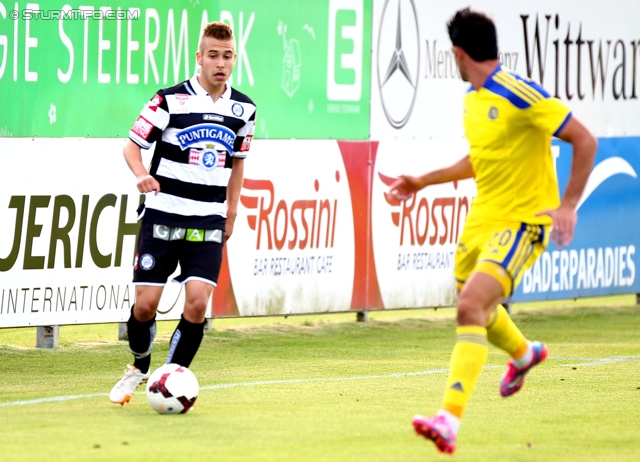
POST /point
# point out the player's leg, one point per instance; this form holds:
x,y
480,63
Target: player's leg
x,y
477,297
507,247
515,250
200,266
501,330
479,293
154,263
141,326
187,337
141,330
503,333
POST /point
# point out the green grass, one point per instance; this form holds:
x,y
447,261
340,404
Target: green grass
x,y
326,388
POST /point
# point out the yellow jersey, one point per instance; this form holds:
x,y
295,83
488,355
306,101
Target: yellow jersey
x,y
509,123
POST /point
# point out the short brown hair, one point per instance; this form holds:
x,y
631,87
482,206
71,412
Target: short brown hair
x,y
218,30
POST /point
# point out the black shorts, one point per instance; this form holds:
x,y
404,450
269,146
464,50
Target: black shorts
x,y
161,248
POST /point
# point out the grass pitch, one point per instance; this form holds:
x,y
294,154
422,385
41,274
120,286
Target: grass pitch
x,y
326,388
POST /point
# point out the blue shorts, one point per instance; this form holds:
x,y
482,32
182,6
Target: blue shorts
x,y
161,248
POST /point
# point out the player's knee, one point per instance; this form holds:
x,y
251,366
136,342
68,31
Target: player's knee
x,y
465,307
196,306
470,312
144,310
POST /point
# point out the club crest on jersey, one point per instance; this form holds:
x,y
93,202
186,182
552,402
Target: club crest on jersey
x,y
237,109
493,113
196,135
208,158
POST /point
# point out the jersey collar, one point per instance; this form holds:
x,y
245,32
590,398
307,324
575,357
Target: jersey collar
x,y
200,91
498,68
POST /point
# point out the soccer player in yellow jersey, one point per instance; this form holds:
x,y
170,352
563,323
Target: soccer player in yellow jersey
x,y
509,121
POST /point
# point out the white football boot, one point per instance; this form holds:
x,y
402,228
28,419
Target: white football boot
x,y
132,379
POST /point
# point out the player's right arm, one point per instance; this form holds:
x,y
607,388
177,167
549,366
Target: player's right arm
x,y
406,185
133,157
146,130
585,146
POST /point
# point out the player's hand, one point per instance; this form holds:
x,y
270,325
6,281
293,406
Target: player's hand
x,y
564,223
405,187
148,184
228,226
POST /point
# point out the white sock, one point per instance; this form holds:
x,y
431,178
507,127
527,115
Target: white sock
x,y
454,422
526,358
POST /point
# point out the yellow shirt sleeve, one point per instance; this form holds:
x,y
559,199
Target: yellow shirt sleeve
x,y
549,115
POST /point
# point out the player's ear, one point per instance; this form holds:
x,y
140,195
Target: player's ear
x,y
199,58
458,52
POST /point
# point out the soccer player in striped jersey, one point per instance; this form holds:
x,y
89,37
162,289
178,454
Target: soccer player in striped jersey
x,y
202,129
509,121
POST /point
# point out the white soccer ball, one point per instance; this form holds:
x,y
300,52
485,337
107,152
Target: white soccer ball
x,y
172,389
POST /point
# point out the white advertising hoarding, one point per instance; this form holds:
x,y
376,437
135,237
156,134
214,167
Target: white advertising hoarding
x,y
68,215
588,62
69,225
292,250
414,241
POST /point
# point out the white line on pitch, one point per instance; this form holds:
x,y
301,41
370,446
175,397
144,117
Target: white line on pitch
x,y
241,384
596,361
325,379
584,362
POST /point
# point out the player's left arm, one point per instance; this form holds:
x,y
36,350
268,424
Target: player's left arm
x,y
584,152
233,195
241,146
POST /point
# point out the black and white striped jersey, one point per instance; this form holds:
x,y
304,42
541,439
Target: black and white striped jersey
x,y
196,140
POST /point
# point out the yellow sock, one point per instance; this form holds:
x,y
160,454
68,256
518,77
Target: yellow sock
x,y
467,360
503,333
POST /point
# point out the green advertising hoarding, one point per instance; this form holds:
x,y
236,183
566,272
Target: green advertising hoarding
x,y
87,69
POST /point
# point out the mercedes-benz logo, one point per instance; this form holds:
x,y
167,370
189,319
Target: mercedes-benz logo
x,y
398,60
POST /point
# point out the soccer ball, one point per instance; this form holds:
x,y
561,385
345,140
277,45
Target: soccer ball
x,y
172,389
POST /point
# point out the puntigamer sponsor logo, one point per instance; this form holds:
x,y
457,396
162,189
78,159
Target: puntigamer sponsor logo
x,y
207,132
